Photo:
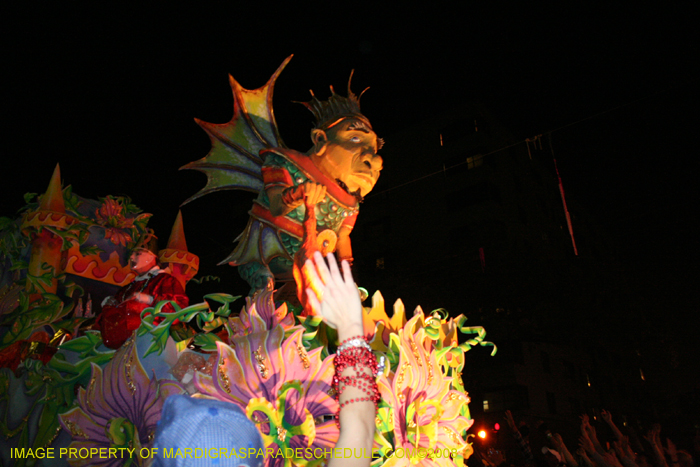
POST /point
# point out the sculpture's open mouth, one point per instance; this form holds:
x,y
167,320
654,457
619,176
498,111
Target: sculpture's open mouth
x,y
364,182
365,178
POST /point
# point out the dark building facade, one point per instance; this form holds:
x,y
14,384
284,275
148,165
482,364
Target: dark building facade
x,y
474,223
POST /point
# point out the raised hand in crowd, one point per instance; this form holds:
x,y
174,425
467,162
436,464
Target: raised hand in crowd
x,y
653,436
591,433
337,300
627,447
334,296
612,460
586,460
678,458
510,421
589,441
585,443
607,418
520,439
586,425
494,457
598,459
561,447
624,454
671,450
605,415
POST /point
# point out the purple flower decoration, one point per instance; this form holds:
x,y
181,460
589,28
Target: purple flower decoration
x,y
282,387
260,314
119,408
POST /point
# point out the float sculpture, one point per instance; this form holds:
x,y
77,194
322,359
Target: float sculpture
x,y
333,176
71,392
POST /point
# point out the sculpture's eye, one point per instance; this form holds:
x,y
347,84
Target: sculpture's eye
x,y
355,139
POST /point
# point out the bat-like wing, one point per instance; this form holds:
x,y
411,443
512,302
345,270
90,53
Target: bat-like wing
x,y
233,162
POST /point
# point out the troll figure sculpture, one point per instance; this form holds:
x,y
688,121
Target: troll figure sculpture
x,y
334,175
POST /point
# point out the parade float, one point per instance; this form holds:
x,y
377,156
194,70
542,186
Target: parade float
x,y
66,398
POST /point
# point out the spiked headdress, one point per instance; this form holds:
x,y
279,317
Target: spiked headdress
x,y
336,108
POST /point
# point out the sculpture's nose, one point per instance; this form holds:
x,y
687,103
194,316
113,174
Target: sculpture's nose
x,y
373,161
377,163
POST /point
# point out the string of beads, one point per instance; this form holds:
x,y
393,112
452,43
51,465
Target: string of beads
x,y
355,353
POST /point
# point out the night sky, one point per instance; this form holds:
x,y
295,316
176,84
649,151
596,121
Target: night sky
x,y
111,93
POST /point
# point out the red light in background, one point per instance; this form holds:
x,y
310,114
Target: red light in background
x,y
497,426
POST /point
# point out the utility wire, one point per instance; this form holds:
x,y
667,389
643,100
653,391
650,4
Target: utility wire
x,y
525,141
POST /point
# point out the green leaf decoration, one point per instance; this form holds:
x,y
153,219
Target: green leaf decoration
x,y
87,250
207,320
384,419
225,300
478,340
86,345
179,332
21,329
48,426
204,279
393,354
19,265
206,341
123,434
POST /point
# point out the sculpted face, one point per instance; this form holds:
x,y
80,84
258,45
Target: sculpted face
x,y
348,152
142,261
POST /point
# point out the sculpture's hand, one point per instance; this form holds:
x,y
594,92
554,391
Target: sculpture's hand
x,y
313,193
283,200
344,247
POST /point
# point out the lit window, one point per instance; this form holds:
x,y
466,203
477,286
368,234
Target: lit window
x,y
486,406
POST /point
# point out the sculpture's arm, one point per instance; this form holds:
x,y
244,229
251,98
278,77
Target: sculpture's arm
x,y
284,196
280,206
284,199
344,246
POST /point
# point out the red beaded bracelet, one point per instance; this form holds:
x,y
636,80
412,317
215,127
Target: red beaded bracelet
x,y
361,359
